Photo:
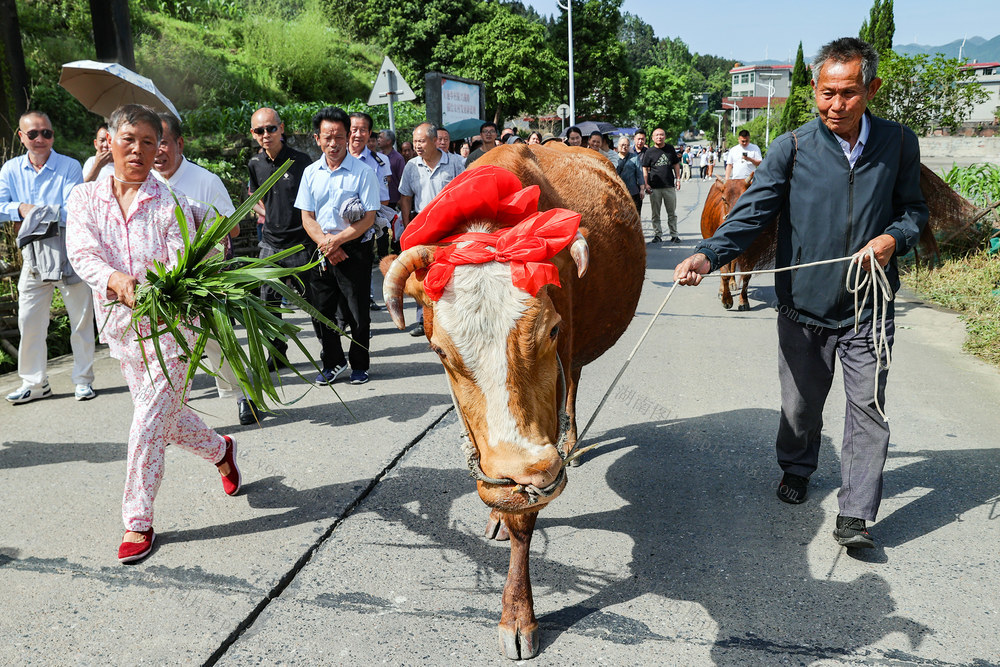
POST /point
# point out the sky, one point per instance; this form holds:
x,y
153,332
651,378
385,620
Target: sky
x,y
772,29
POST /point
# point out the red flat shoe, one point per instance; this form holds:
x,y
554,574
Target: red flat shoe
x,y
230,483
130,552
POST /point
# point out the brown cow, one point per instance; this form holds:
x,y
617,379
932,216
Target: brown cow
x,y
513,360
721,198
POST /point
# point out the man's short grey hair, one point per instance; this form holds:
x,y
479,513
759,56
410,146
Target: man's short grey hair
x,y
845,50
431,132
389,136
133,114
173,124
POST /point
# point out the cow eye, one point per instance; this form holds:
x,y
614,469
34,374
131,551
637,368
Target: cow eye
x,y
554,332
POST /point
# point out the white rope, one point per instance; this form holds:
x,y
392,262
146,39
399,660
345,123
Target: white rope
x,y
614,382
874,282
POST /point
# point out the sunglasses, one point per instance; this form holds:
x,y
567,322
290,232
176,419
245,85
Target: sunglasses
x,y
270,129
33,134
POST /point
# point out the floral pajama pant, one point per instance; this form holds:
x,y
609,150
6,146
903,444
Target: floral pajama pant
x,y
160,418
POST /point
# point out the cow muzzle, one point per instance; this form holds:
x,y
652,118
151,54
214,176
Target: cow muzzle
x,y
515,498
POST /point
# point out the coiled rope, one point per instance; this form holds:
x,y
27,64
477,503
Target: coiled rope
x,y
858,282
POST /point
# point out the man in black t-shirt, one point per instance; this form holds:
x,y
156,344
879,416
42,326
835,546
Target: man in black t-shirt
x,y
282,221
661,170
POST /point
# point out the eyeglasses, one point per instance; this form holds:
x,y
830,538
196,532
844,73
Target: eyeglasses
x,y
33,134
270,129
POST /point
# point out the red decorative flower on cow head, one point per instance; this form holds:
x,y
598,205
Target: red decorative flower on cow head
x,y
528,241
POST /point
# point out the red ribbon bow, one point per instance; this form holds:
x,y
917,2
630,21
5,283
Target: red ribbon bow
x,y
528,242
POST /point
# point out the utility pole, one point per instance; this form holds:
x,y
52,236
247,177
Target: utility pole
x,y
569,35
770,92
736,108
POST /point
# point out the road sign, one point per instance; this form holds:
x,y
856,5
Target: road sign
x,y
389,86
563,111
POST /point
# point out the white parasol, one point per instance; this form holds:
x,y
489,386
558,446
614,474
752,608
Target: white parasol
x,y
103,87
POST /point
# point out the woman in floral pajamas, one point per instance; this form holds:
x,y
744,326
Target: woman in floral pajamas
x,y
117,226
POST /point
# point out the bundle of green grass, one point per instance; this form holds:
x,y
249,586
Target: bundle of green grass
x,y
206,293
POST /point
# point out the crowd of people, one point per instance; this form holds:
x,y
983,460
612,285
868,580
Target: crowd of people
x,y
299,210
94,231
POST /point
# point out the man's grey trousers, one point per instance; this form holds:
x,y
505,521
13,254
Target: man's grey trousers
x,y
664,197
805,368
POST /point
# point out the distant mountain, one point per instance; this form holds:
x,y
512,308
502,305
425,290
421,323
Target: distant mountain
x,y
976,48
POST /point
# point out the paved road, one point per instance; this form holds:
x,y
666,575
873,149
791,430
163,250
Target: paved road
x,y
357,542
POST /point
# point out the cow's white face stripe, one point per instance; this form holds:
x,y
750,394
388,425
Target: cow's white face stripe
x,y
478,310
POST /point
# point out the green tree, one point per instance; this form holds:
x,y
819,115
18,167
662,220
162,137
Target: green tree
x,y
639,40
717,81
604,80
510,54
800,75
880,27
925,93
664,100
418,36
796,110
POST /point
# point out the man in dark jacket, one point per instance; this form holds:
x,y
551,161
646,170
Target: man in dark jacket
x,y
844,183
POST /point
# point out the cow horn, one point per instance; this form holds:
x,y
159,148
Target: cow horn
x,y
412,259
580,252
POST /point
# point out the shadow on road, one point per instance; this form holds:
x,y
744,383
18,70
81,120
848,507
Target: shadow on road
x,y
398,408
27,454
708,534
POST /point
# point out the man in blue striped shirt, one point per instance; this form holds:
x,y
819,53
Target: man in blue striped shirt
x,y
43,177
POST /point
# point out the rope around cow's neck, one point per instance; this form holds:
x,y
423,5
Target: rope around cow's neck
x,y
864,283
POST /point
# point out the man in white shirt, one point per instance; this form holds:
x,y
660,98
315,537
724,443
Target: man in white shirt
x,y
100,163
743,158
423,178
358,147
41,177
204,192
444,145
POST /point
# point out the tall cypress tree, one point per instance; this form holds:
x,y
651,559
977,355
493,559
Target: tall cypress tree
x,y
796,106
880,27
800,75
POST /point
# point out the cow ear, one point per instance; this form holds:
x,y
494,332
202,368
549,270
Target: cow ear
x,y
415,288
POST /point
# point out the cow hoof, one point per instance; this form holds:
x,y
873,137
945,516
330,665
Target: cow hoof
x,y
495,528
727,305
744,306
518,644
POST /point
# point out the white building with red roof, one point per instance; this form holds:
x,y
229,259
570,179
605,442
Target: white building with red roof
x,y
749,91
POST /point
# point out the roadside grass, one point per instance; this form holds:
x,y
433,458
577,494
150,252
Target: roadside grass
x,y
969,285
